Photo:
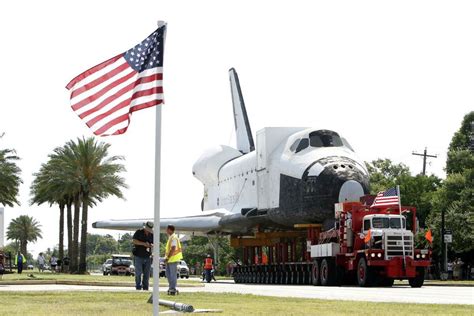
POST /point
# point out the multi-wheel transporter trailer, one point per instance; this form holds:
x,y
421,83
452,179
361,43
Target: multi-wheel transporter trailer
x,y
367,246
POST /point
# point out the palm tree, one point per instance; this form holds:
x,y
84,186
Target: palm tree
x,y
9,177
24,229
66,165
98,175
80,173
50,186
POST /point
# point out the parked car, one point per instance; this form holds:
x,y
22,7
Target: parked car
x,y
122,265
106,267
183,270
30,267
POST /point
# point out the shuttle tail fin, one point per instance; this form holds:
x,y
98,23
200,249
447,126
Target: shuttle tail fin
x,y
243,132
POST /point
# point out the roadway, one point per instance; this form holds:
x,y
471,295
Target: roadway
x,y
400,294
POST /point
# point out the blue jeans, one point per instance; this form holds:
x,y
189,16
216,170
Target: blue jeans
x,y
172,275
142,268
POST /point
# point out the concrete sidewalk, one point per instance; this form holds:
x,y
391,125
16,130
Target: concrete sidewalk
x,y
399,294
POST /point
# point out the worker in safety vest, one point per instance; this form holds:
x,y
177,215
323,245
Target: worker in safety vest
x,y
264,259
173,255
20,262
208,267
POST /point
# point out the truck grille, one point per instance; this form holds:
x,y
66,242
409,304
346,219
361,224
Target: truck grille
x,y
394,246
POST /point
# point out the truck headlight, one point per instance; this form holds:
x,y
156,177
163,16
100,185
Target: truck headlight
x,y
372,255
423,256
379,255
417,256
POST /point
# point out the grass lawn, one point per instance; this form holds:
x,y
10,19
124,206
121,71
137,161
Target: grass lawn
x,y
120,303
81,278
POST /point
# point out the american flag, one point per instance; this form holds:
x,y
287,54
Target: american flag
x,y
386,199
106,95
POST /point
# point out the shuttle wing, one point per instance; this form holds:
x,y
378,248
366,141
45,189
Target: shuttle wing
x,y
202,223
243,132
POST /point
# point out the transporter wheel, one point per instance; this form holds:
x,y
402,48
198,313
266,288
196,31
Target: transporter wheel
x,y
419,279
279,276
254,277
301,279
236,278
267,277
308,280
315,280
285,277
327,272
271,277
365,275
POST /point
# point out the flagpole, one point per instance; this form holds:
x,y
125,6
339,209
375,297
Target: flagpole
x,y
156,235
401,224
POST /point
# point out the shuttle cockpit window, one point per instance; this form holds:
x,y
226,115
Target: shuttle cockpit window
x,y
295,144
304,143
324,138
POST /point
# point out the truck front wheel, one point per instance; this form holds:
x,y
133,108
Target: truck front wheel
x,y
419,279
315,273
365,275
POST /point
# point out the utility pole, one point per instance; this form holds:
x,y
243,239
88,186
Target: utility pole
x,y
425,155
444,252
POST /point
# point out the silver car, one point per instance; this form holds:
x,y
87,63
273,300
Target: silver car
x,y
107,267
183,270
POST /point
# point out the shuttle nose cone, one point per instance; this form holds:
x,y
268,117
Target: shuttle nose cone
x,y
350,191
333,180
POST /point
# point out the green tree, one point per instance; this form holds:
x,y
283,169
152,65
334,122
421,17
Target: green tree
x,y
385,174
98,175
9,177
456,196
101,245
415,191
48,186
80,173
125,243
24,229
198,247
419,191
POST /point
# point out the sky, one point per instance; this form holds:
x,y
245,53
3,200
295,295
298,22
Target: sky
x,y
390,76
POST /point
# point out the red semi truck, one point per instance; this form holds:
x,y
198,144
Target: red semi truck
x,y
371,244
367,246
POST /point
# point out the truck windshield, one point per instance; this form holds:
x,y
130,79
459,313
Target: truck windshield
x,y
380,222
395,223
385,222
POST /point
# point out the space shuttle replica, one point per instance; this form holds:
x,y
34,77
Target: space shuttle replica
x,y
288,176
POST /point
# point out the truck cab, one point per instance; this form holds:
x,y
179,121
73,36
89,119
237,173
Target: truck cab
x,y
386,233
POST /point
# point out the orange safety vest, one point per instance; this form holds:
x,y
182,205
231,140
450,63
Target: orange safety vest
x,y
208,264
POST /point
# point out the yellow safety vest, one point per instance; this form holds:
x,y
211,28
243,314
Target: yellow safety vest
x,y
177,254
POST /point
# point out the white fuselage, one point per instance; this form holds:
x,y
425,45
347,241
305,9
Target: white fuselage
x,y
240,183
